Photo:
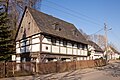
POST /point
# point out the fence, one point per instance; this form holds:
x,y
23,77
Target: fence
x,y
10,69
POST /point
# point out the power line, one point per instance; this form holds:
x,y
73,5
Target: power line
x,y
115,36
71,10
73,15
97,31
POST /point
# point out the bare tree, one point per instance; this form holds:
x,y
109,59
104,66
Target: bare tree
x,y
15,11
99,39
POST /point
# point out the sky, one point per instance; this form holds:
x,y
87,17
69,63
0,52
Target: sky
x,y
88,15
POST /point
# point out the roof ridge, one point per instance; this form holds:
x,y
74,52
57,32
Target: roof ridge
x,y
45,23
50,15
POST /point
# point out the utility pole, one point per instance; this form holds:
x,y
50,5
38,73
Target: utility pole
x,y
106,40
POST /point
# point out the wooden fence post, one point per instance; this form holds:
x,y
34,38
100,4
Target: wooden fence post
x,y
75,65
13,68
57,66
37,70
4,69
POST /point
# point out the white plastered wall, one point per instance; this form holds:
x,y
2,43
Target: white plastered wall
x,y
46,46
63,50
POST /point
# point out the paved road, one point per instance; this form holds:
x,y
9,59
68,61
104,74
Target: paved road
x,y
109,72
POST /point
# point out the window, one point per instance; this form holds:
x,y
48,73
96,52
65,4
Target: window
x,y
30,41
78,46
23,42
53,41
27,42
46,48
72,44
26,13
29,26
75,32
48,39
60,29
83,46
21,29
64,43
56,26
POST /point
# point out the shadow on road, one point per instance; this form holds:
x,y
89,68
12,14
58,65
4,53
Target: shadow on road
x,y
112,69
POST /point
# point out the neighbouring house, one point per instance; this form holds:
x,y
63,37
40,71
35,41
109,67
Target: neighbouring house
x,y
42,38
95,51
112,53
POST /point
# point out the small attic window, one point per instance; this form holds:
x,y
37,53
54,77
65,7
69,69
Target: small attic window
x,y
26,13
21,29
59,29
75,32
56,26
29,26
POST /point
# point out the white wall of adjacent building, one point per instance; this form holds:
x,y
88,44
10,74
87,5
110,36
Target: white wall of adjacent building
x,y
94,54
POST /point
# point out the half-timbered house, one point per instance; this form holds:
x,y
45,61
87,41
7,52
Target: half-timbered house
x,y
94,50
112,53
42,37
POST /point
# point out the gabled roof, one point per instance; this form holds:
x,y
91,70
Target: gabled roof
x,y
97,48
113,49
46,24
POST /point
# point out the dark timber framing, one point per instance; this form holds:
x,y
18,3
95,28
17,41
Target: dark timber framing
x,y
60,37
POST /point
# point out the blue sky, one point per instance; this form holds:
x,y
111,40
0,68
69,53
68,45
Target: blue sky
x,y
88,15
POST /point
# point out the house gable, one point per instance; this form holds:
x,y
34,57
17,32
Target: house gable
x,y
57,27
95,46
27,26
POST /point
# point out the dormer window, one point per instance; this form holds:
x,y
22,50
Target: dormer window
x,y
60,29
56,26
75,33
